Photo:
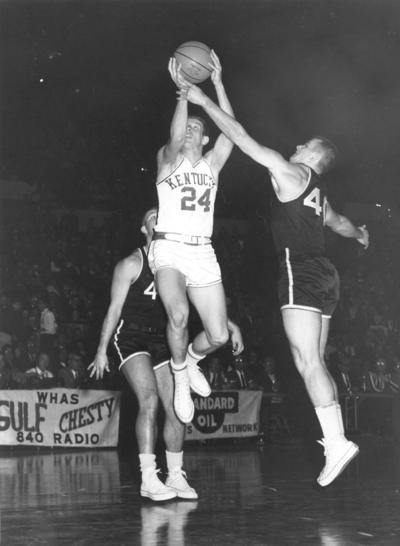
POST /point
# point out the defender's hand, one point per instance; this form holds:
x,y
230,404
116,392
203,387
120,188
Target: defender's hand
x,y
99,366
193,94
236,340
364,239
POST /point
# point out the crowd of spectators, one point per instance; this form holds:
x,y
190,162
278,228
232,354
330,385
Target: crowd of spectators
x,y
55,281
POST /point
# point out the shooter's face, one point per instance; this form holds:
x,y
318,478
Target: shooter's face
x,y
194,133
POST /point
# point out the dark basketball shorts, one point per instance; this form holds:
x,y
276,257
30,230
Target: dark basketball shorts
x,y
133,340
308,282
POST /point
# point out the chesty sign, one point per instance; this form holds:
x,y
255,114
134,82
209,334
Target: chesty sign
x,y
225,414
59,417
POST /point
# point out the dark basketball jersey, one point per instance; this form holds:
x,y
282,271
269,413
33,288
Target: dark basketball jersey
x,y
142,304
299,224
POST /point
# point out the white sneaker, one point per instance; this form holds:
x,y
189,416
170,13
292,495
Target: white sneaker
x,y
197,381
177,481
153,488
183,403
338,455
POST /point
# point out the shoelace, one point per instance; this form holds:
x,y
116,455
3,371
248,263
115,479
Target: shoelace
x,y
177,474
323,445
154,471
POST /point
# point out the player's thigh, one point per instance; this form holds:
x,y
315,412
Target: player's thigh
x,y
303,330
210,303
139,373
171,287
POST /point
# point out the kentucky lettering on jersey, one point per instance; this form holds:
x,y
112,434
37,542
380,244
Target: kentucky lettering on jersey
x,y
191,178
186,199
299,224
142,305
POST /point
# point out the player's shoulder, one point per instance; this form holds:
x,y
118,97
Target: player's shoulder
x,y
131,264
166,156
167,163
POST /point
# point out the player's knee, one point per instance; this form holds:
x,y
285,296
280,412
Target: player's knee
x,y
178,318
306,364
218,338
149,403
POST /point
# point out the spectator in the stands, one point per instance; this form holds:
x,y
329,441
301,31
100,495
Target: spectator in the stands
x,y
61,360
25,355
269,378
40,376
379,376
16,319
72,376
5,373
48,327
236,373
215,372
5,331
339,364
395,377
9,357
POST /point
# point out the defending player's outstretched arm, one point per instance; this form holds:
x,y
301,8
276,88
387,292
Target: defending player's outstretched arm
x,y
343,226
267,157
223,145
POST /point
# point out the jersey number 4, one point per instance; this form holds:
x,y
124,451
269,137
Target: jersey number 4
x,y
313,200
151,291
188,202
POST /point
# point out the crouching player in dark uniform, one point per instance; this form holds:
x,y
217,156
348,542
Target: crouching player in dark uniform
x,y
309,283
136,320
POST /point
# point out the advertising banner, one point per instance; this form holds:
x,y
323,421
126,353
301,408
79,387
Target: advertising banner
x,y
225,414
59,417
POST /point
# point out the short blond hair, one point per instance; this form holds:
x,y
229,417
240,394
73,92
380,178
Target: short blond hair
x,y
329,154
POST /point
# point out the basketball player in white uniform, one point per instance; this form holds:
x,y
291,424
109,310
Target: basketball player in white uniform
x,y
181,255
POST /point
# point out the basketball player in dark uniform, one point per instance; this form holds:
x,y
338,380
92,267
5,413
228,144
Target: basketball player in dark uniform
x,y
309,285
134,328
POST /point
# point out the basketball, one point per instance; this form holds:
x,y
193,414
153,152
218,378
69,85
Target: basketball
x,y
194,58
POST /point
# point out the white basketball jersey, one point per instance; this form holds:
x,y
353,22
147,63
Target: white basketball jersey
x,y
186,199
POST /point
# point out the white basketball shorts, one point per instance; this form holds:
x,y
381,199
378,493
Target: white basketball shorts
x,y
197,263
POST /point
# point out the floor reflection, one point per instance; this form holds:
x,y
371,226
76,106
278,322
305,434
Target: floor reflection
x,y
59,479
165,524
247,497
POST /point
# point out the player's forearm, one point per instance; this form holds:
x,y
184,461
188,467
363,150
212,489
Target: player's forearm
x,y
344,227
225,122
232,327
109,324
223,100
179,121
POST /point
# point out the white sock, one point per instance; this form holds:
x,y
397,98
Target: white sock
x,y
147,461
340,417
177,367
331,423
192,357
174,460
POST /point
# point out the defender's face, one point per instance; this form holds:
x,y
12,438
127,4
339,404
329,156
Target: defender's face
x,y
303,151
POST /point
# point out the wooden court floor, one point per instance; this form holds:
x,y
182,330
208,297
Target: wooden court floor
x,y
248,495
